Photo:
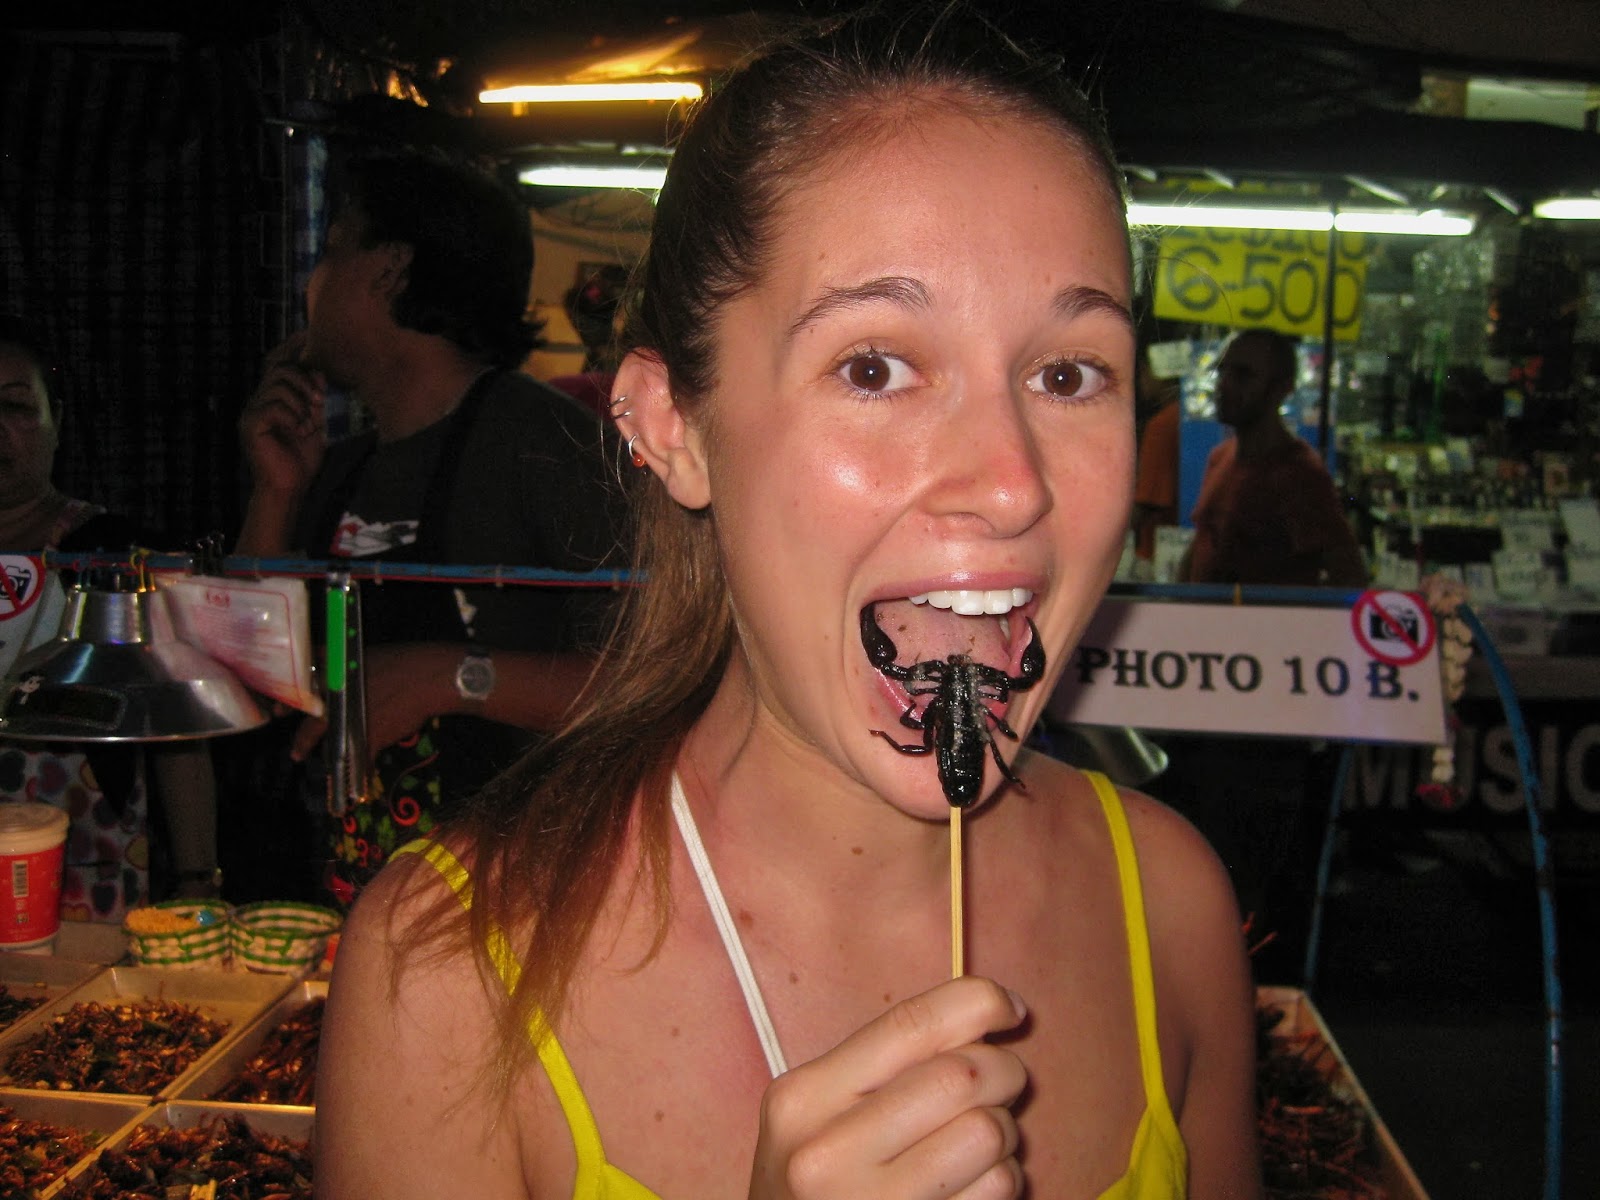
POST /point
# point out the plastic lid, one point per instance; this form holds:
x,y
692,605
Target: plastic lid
x,y
27,826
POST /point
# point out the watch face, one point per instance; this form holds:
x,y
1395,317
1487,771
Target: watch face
x,y
475,677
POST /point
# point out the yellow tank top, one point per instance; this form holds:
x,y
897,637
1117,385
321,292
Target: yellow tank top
x,y
1158,1163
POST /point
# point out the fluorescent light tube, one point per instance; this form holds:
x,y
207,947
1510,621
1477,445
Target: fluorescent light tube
x,y
1206,216
1314,220
567,93
647,179
1435,222
1569,208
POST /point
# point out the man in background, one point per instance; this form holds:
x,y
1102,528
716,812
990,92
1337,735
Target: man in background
x,y
416,310
1268,512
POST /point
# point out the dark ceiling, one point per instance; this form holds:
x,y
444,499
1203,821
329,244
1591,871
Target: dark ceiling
x,y
1185,84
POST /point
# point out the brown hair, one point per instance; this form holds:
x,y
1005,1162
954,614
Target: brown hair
x,y
545,842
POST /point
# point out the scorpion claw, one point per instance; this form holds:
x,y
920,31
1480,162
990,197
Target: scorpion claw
x,y
880,649
1032,662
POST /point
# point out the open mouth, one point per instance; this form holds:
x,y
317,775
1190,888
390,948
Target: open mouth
x,y
961,661
981,626
988,627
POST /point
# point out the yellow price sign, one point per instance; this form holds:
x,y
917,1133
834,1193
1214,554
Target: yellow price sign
x,y
1269,278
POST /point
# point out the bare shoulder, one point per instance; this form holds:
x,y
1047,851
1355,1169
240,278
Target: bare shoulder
x,y
1204,996
1189,900
405,1104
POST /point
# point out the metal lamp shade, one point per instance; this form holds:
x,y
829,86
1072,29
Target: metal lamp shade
x,y
118,673
1125,755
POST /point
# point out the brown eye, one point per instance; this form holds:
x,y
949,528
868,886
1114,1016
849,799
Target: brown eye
x,y
869,372
1068,379
1062,378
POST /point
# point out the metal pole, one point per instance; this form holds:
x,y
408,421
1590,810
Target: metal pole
x,y
1331,276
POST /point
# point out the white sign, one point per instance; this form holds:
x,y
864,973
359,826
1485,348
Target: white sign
x,y
259,628
1223,668
31,604
1581,518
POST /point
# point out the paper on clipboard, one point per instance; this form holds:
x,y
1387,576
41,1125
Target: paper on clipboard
x,y
260,629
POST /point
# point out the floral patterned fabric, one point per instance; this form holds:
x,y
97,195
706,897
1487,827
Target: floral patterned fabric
x,y
409,802
107,868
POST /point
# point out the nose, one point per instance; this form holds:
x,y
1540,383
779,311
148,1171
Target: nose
x,y
988,469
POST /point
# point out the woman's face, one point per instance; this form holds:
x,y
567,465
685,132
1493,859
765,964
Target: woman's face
x,y
929,391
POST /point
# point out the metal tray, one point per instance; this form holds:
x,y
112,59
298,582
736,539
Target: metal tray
x,y
42,977
233,997
88,1114
1300,1017
220,1070
278,1120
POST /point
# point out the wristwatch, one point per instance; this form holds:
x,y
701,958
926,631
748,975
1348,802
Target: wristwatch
x,y
475,676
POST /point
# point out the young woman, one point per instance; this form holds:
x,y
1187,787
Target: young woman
x,y
881,375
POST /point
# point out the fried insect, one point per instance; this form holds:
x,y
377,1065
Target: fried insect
x,y
34,1154
136,1047
222,1157
13,1007
284,1069
955,723
1315,1143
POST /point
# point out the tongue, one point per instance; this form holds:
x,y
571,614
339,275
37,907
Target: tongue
x,y
921,632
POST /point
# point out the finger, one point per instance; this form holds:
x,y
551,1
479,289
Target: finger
x,y
973,1157
929,1104
1003,1181
956,1013
293,384
288,350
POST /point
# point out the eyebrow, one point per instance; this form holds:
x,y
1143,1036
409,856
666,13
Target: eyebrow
x,y
1069,304
898,290
1081,300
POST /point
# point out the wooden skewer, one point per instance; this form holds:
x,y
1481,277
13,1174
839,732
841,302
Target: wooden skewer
x,y
957,940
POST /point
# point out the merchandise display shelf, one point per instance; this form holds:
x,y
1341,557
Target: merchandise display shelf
x,y
231,997
42,977
98,1117
1302,1020
278,1121
221,1069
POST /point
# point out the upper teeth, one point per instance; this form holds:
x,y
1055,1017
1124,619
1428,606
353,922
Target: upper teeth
x,y
975,603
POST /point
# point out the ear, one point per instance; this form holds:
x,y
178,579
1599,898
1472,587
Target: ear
x,y
648,417
394,268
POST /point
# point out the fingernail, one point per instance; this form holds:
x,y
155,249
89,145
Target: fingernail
x,y
1017,1004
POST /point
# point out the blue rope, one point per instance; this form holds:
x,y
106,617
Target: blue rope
x,y
1341,779
362,569
1543,880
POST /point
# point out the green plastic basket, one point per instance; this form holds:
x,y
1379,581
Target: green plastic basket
x,y
207,944
281,936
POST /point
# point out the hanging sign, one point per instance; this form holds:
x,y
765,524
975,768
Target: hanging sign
x,y
20,578
1393,627
31,604
1223,668
1262,278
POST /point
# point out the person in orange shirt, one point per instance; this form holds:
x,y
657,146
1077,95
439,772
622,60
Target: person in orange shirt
x,y
1155,488
1268,511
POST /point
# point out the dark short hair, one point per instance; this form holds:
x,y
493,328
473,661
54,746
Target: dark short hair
x,y
1282,353
772,121
471,247
23,334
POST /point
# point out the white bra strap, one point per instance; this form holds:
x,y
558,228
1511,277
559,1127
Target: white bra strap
x,y
730,935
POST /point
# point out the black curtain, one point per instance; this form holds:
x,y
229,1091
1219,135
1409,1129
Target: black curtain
x,y
138,211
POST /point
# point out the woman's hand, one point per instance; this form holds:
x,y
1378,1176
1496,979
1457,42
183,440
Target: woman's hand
x,y
915,1104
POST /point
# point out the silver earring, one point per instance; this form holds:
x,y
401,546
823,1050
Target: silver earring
x,y
638,459
618,403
